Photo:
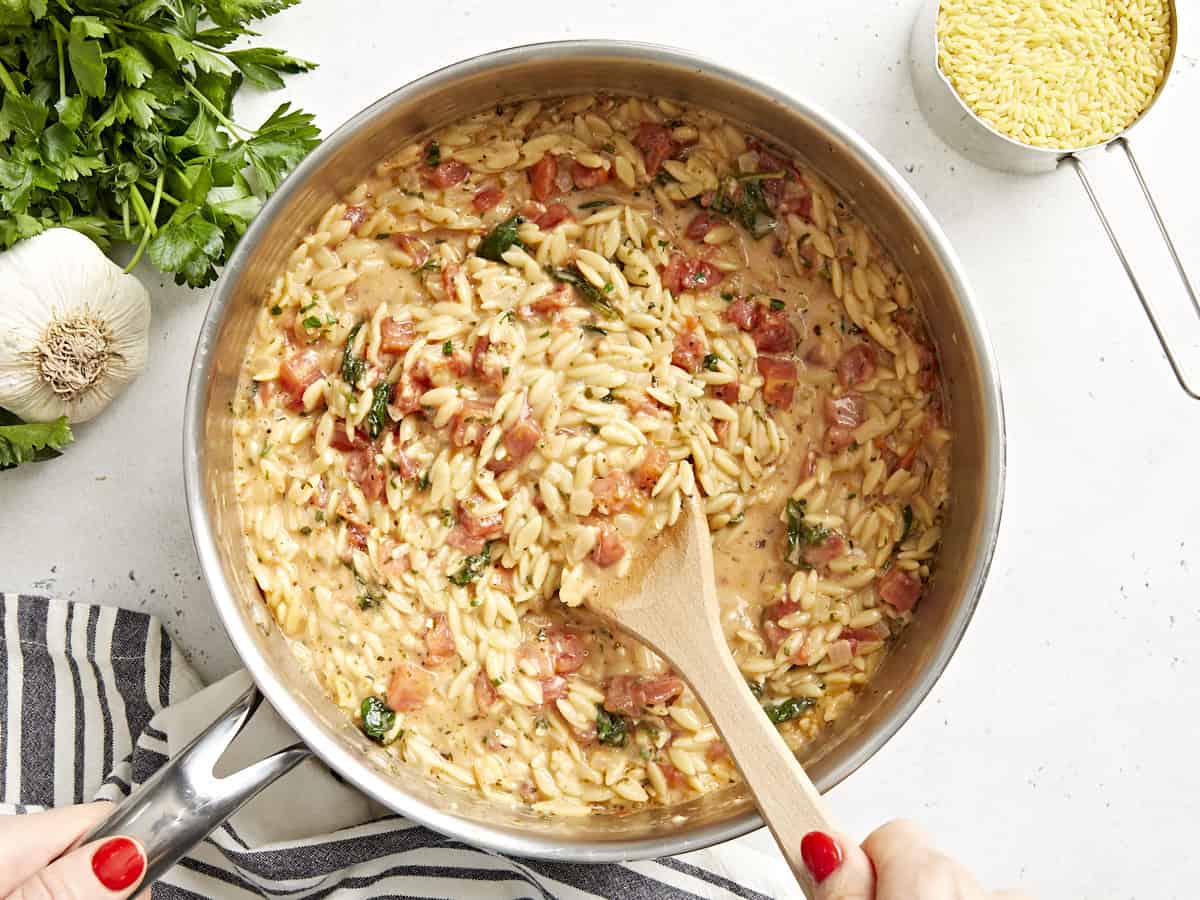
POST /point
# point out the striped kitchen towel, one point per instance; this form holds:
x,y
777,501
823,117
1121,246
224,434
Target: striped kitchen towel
x,y
93,700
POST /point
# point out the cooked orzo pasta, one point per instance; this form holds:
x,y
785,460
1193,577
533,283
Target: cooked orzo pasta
x,y
499,365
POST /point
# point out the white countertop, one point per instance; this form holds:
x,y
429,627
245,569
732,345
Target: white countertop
x,y
1058,750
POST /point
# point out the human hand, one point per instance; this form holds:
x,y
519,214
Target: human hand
x,y
33,865
896,862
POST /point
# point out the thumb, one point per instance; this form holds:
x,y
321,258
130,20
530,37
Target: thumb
x,y
840,868
107,869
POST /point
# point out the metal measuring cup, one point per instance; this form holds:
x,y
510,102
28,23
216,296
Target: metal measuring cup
x,y
958,125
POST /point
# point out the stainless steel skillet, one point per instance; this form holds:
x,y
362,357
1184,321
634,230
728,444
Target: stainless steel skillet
x,y
185,801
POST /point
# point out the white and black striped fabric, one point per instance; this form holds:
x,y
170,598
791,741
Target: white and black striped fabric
x,y
93,700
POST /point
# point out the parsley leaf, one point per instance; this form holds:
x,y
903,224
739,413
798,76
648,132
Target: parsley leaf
x,y
22,442
473,566
115,121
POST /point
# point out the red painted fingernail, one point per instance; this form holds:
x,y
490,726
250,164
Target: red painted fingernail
x,y
118,863
821,854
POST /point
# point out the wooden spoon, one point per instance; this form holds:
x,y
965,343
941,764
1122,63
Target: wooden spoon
x,y
669,601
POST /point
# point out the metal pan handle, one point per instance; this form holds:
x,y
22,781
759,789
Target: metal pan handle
x,y
1081,171
184,801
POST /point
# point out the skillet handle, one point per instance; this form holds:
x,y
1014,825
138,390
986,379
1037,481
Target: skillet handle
x,y
1077,164
184,801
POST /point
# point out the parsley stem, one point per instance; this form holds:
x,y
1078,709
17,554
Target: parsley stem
x,y
158,188
146,232
62,70
220,116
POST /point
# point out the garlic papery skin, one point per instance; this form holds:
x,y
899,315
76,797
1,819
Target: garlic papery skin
x,y
74,328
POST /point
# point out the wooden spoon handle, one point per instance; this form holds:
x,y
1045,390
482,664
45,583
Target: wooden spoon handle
x,y
787,799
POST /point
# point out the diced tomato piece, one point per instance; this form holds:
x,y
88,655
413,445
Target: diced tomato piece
x,y
702,224
486,367
627,695
484,526
407,393
568,649
355,215
689,348
672,775
650,469
801,204
299,372
779,380
361,467
554,214
520,440
405,465
619,695
612,493
840,653
609,549
396,335
541,177
439,641
586,178
656,144
900,589
831,548
856,366
340,440
460,540
416,249
744,314
773,333
773,632
660,689
409,687
845,410
486,198
485,692
684,274
548,304
470,424
554,687
728,392
445,174
356,534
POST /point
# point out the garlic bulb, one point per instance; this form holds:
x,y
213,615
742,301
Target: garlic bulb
x,y
74,328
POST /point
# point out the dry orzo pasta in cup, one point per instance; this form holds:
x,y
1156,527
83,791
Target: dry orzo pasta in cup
x,y
495,369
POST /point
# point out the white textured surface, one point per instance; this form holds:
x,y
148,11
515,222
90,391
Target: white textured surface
x,y
1058,748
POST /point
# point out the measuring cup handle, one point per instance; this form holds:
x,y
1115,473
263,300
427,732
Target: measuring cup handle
x,y
1081,171
184,801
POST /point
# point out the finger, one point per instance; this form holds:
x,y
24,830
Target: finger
x,y
27,843
839,867
896,842
108,869
908,865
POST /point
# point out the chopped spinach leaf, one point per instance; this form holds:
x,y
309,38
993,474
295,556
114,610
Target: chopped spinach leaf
x,y
378,719
448,348
777,304
791,708
801,535
908,521
433,154
710,361
751,210
596,204
611,729
353,367
377,416
500,239
591,294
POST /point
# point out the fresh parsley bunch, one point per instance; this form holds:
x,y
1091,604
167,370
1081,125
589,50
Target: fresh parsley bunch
x,y
115,121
